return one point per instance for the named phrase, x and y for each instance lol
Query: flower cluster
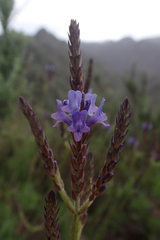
(79, 119)
(146, 126)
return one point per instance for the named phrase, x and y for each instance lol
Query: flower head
(79, 120)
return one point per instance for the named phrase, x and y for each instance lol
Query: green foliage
(12, 82)
(6, 7)
(5, 93)
(8, 221)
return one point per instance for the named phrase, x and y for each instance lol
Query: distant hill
(116, 56)
(119, 56)
(111, 59)
(45, 49)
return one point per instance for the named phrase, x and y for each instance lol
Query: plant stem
(67, 200)
(85, 206)
(77, 225)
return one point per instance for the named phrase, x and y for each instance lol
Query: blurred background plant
(37, 68)
(12, 46)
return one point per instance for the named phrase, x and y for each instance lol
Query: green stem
(76, 224)
(67, 200)
(85, 206)
(58, 180)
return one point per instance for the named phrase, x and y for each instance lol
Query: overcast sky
(99, 20)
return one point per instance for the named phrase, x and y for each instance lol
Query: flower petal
(78, 126)
(98, 117)
(60, 116)
(74, 101)
(92, 98)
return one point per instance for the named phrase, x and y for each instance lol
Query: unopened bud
(50, 173)
(101, 190)
(43, 156)
(104, 169)
(108, 177)
(55, 166)
(91, 197)
(81, 187)
(74, 180)
(50, 152)
(99, 181)
(112, 165)
(79, 158)
(50, 162)
(80, 173)
(74, 195)
(74, 164)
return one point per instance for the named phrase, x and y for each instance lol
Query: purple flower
(133, 141)
(92, 98)
(146, 126)
(78, 126)
(98, 116)
(74, 101)
(60, 115)
(49, 68)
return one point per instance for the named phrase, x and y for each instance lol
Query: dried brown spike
(51, 217)
(117, 140)
(46, 153)
(116, 145)
(36, 128)
(88, 178)
(76, 79)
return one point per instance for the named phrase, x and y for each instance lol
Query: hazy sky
(99, 20)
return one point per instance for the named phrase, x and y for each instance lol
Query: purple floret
(60, 115)
(78, 126)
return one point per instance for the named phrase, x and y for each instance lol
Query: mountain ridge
(117, 56)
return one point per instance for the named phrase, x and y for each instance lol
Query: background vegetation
(38, 69)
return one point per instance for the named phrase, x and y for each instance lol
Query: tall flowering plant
(79, 112)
